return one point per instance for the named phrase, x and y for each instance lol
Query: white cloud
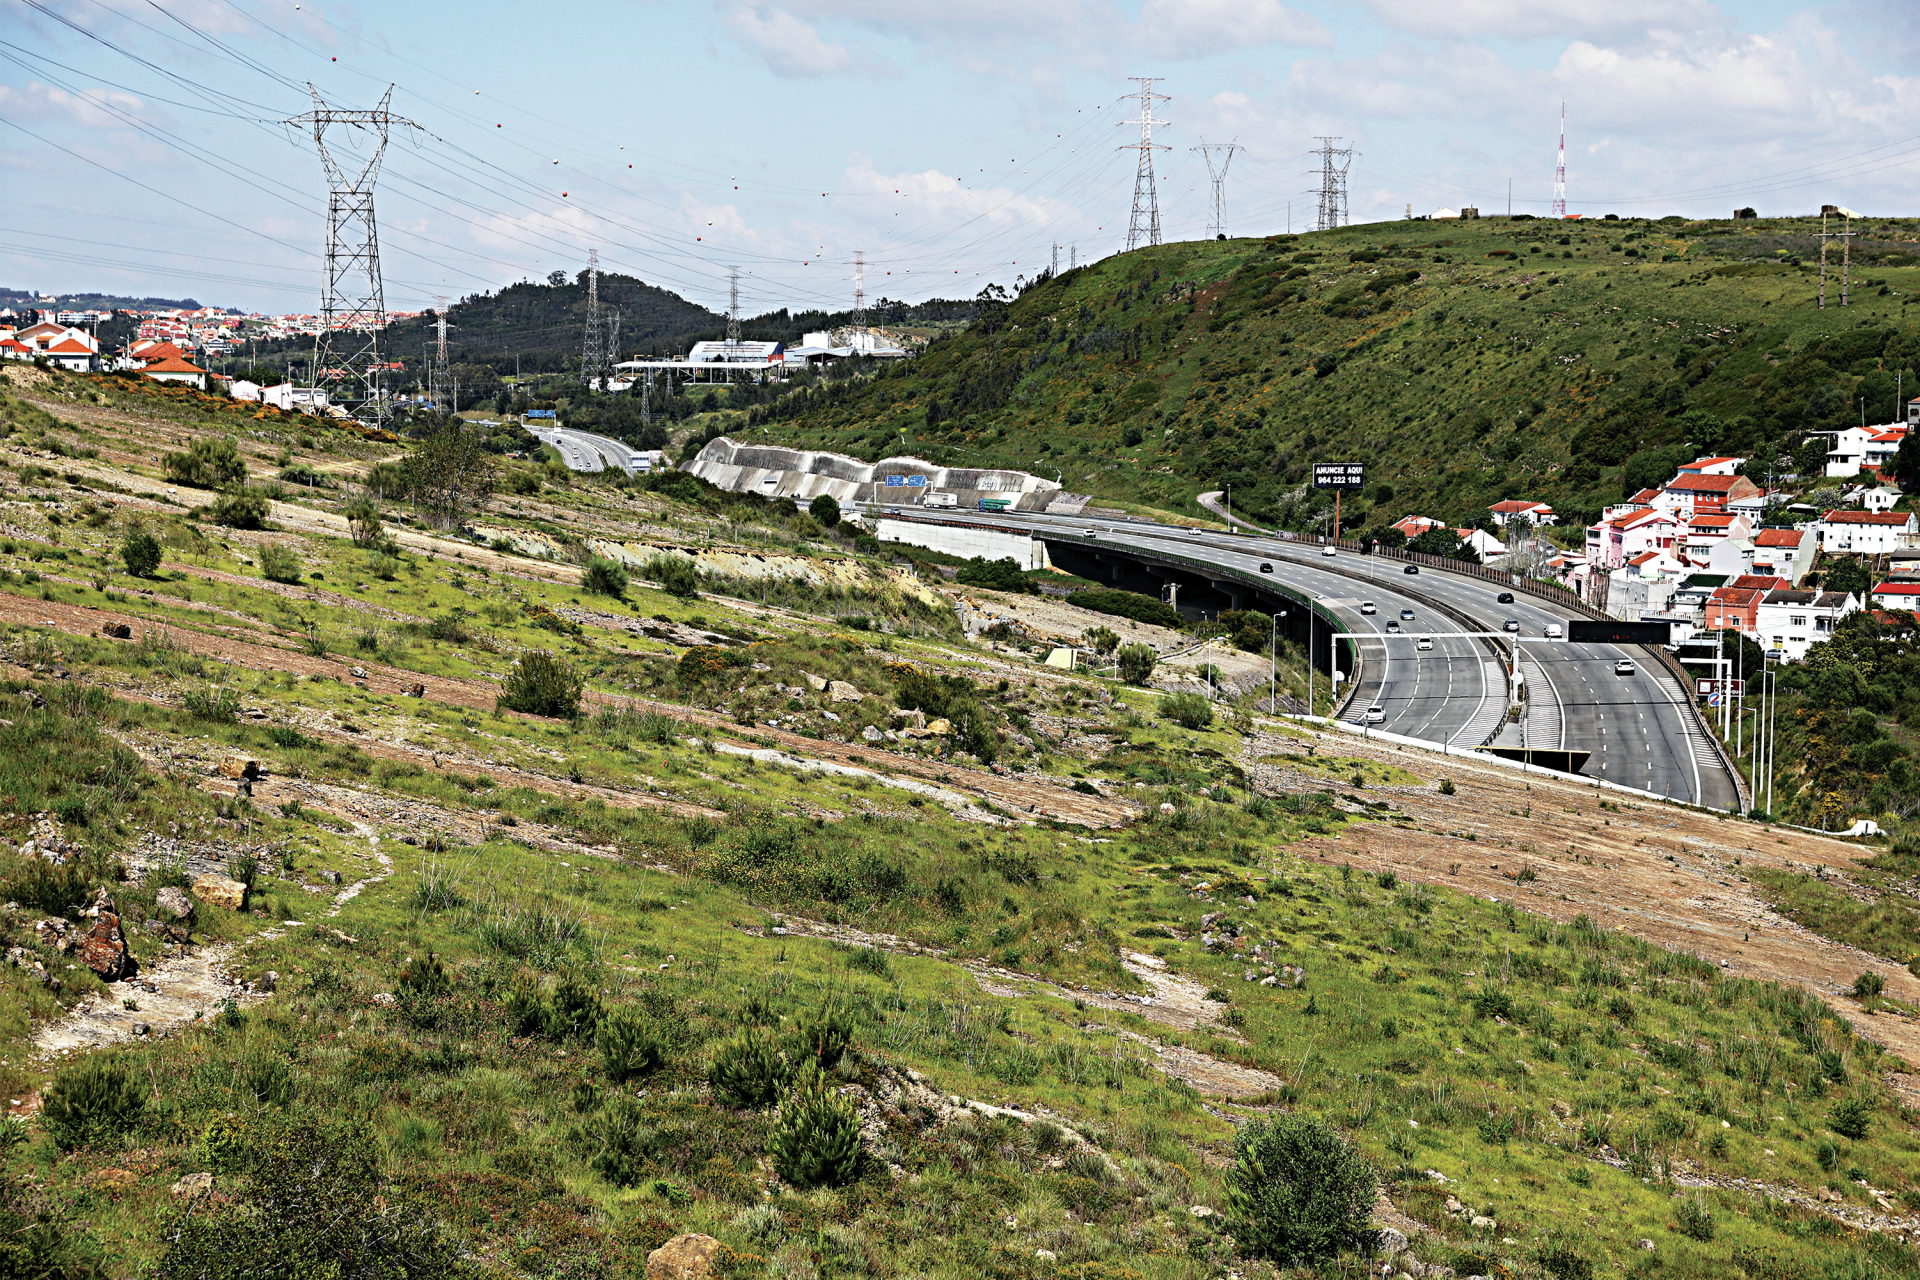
(933, 194)
(1204, 28)
(89, 108)
(789, 46)
(1532, 19)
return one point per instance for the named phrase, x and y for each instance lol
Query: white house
(1794, 621)
(1855, 448)
(1897, 595)
(1611, 543)
(1712, 467)
(1865, 533)
(1537, 513)
(1784, 553)
(1731, 556)
(1880, 498)
(1704, 532)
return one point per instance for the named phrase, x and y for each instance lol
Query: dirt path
(1674, 876)
(1176, 1002)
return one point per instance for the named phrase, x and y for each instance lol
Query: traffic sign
(1339, 475)
(1709, 688)
(896, 482)
(1594, 631)
(916, 482)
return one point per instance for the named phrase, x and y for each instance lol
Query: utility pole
(860, 289)
(353, 306)
(1333, 185)
(590, 349)
(1846, 241)
(1560, 170)
(733, 306)
(1218, 173)
(1144, 226)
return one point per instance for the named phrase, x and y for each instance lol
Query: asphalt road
(584, 451)
(1639, 733)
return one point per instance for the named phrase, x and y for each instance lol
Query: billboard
(1339, 475)
(1708, 688)
(1585, 630)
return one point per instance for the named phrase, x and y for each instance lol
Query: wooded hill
(1465, 362)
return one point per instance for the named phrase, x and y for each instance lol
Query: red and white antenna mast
(1560, 172)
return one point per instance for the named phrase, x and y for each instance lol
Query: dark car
(1266, 567)
(1412, 568)
(1505, 597)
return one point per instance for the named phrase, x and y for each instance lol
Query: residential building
(1704, 531)
(1784, 553)
(1730, 556)
(1638, 502)
(1897, 595)
(1865, 533)
(1611, 543)
(1414, 526)
(1484, 544)
(1794, 621)
(175, 370)
(1537, 513)
(1880, 498)
(1863, 448)
(1687, 496)
(1629, 598)
(1734, 609)
(1712, 467)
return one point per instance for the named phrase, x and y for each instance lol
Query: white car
(1426, 642)
(1554, 632)
(1196, 532)
(1367, 606)
(1624, 667)
(1329, 551)
(1374, 714)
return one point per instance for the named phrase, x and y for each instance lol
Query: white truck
(940, 500)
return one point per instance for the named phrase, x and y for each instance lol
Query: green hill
(1465, 362)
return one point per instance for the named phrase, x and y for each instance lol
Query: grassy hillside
(523, 992)
(1466, 362)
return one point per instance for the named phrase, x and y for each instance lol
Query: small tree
(825, 509)
(363, 522)
(94, 1100)
(140, 551)
(1188, 710)
(279, 563)
(1297, 1190)
(1102, 640)
(604, 577)
(241, 509)
(1137, 662)
(207, 464)
(816, 1141)
(542, 684)
(677, 576)
(749, 1071)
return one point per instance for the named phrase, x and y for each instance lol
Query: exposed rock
(104, 950)
(268, 982)
(52, 932)
(936, 728)
(815, 682)
(1292, 975)
(174, 902)
(841, 691)
(117, 631)
(915, 719)
(240, 767)
(1482, 1222)
(688, 1257)
(219, 891)
(358, 673)
(1644, 1243)
(388, 998)
(872, 734)
(194, 1184)
(1389, 1242)
(417, 691)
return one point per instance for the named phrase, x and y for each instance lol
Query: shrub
(630, 1045)
(1868, 985)
(140, 551)
(748, 1071)
(1696, 1220)
(1003, 574)
(1850, 1118)
(1128, 604)
(1137, 662)
(604, 577)
(207, 464)
(1188, 710)
(1565, 1257)
(824, 1036)
(96, 1100)
(241, 509)
(816, 1140)
(279, 563)
(868, 545)
(363, 522)
(676, 576)
(213, 703)
(542, 684)
(1297, 1190)
(825, 510)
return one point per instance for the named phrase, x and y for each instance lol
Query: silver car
(1374, 714)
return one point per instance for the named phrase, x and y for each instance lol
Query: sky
(143, 148)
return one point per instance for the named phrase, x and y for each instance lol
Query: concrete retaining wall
(962, 540)
(804, 474)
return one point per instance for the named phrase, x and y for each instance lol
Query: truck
(995, 504)
(940, 500)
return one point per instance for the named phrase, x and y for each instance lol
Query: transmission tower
(1333, 184)
(1560, 170)
(733, 306)
(1144, 226)
(591, 371)
(613, 345)
(860, 288)
(437, 367)
(1218, 172)
(353, 306)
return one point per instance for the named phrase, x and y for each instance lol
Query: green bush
(816, 1140)
(363, 522)
(241, 509)
(96, 1100)
(604, 577)
(140, 551)
(630, 1045)
(1297, 1190)
(825, 509)
(1850, 1118)
(217, 702)
(1127, 604)
(748, 1071)
(823, 1037)
(868, 545)
(1137, 662)
(1696, 1220)
(542, 684)
(676, 576)
(1004, 574)
(279, 563)
(1868, 985)
(207, 464)
(1188, 710)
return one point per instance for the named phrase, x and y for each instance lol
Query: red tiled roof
(1645, 496)
(71, 347)
(1715, 520)
(161, 351)
(1518, 504)
(1738, 597)
(172, 365)
(1707, 484)
(1760, 582)
(1897, 589)
(1868, 517)
(1708, 462)
(1779, 537)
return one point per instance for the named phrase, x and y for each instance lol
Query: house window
(1823, 624)
(1799, 620)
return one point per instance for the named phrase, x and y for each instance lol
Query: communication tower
(1560, 170)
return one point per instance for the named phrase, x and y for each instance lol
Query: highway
(1639, 732)
(584, 451)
